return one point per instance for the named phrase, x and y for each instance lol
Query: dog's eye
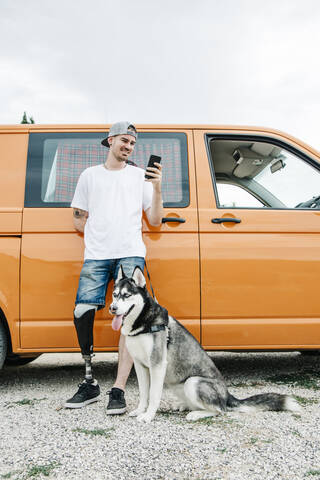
(127, 295)
(115, 295)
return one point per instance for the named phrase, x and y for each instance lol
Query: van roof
(240, 129)
(164, 126)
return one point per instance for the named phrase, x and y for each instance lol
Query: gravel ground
(39, 439)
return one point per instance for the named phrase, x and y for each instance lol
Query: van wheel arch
(7, 357)
(15, 360)
(5, 342)
(310, 353)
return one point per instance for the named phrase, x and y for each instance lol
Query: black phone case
(151, 162)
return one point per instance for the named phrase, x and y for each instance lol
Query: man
(107, 207)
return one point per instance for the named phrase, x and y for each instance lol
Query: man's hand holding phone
(153, 172)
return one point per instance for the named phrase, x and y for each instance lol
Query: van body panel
(10, 222)
(259, 277)
(51, 261)
(272, 221)
(250, 334)
(10, 285)
(50, 269)
(13, 148)
(47, 220)
(243, 286)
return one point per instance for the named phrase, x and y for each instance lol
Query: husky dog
(164, 352)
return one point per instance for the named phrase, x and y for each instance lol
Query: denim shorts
(96, 275)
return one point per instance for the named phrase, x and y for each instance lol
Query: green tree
(25, 119)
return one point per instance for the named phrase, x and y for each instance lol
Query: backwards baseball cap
(120, 128)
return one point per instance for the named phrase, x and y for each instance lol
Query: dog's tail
(264, 402)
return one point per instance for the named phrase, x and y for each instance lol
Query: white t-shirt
(114, 200)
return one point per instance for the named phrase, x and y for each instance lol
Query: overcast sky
(247, 62)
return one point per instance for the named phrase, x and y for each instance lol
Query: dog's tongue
(117, 322)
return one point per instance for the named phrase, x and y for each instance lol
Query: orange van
(236, 259)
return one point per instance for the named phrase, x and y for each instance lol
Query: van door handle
(225, 219)
(173, 219)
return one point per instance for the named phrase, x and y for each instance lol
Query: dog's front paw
(179, 407)
(183, 408)
(146, 417)
(136, 412)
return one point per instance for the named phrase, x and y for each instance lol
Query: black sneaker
(117, 403)
(87, 393)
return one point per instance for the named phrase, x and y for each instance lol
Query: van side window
(55, 161)
(251, 173)
(232, 196)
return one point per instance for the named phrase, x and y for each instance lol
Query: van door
(13, 148)
(52, 251)
(259, 216)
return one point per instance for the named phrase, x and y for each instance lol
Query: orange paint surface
(252, 285)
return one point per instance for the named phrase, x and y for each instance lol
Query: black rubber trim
(226, 219)
(173, 220)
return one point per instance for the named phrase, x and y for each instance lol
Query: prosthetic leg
(89, 390)
(83, 321)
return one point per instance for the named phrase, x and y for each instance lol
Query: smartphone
(152, 160)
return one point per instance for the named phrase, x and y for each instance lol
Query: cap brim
(105, 142)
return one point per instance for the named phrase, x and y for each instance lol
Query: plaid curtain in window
(73, 158)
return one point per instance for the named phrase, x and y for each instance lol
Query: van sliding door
(52, 251)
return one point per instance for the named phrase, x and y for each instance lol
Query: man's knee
(82, 308)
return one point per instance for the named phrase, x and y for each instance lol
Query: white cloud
(178, 61)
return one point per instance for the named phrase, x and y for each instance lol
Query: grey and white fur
(164, 352)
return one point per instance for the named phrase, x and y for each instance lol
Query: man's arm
(155, 212)
(79, 219)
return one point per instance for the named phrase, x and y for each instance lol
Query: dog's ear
(138, 277)
(120, 275)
